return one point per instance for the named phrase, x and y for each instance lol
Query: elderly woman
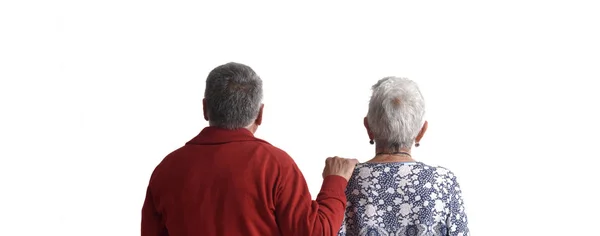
(393, 194)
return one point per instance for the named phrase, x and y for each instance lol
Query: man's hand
(339, 166)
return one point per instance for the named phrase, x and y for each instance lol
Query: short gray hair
(396, 112)
(233, 96)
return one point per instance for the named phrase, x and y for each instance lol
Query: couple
(225, 181)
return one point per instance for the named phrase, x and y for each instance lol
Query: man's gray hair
(396, 112)
(233, 96)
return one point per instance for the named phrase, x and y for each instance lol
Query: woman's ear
(422, 132)
(366, 123)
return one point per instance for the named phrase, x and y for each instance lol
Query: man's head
(233, 97)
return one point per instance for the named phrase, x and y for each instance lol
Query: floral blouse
(402, 199)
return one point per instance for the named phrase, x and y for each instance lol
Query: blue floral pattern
(403, 199)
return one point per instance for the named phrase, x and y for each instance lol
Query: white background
(93, 94)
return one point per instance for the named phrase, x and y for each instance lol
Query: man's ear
(422, 132)
(204, 109)
(366, 123)
(258, 120)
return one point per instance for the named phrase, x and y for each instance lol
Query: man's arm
(298, 214)
(152, 223)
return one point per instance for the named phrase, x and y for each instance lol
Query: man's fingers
(338, 158)
(330, 159)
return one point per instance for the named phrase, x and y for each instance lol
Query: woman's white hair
(396, 112)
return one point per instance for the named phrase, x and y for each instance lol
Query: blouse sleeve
(457, 221)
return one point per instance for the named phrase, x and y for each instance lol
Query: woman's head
(396, 111)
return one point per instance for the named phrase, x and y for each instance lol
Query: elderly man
(225, 181)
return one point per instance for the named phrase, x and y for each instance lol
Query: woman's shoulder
(366, 169)
(442, 171)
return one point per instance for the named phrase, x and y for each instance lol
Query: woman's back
(399, 198)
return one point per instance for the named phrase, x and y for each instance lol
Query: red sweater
(227, 182)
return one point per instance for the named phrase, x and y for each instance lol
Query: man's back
(227, 182)
(218, 188)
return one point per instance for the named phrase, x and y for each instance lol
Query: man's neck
(252, 128)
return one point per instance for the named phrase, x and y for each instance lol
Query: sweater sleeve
(298, 214)
(152, 224)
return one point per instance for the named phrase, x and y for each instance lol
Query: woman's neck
(392, 155)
